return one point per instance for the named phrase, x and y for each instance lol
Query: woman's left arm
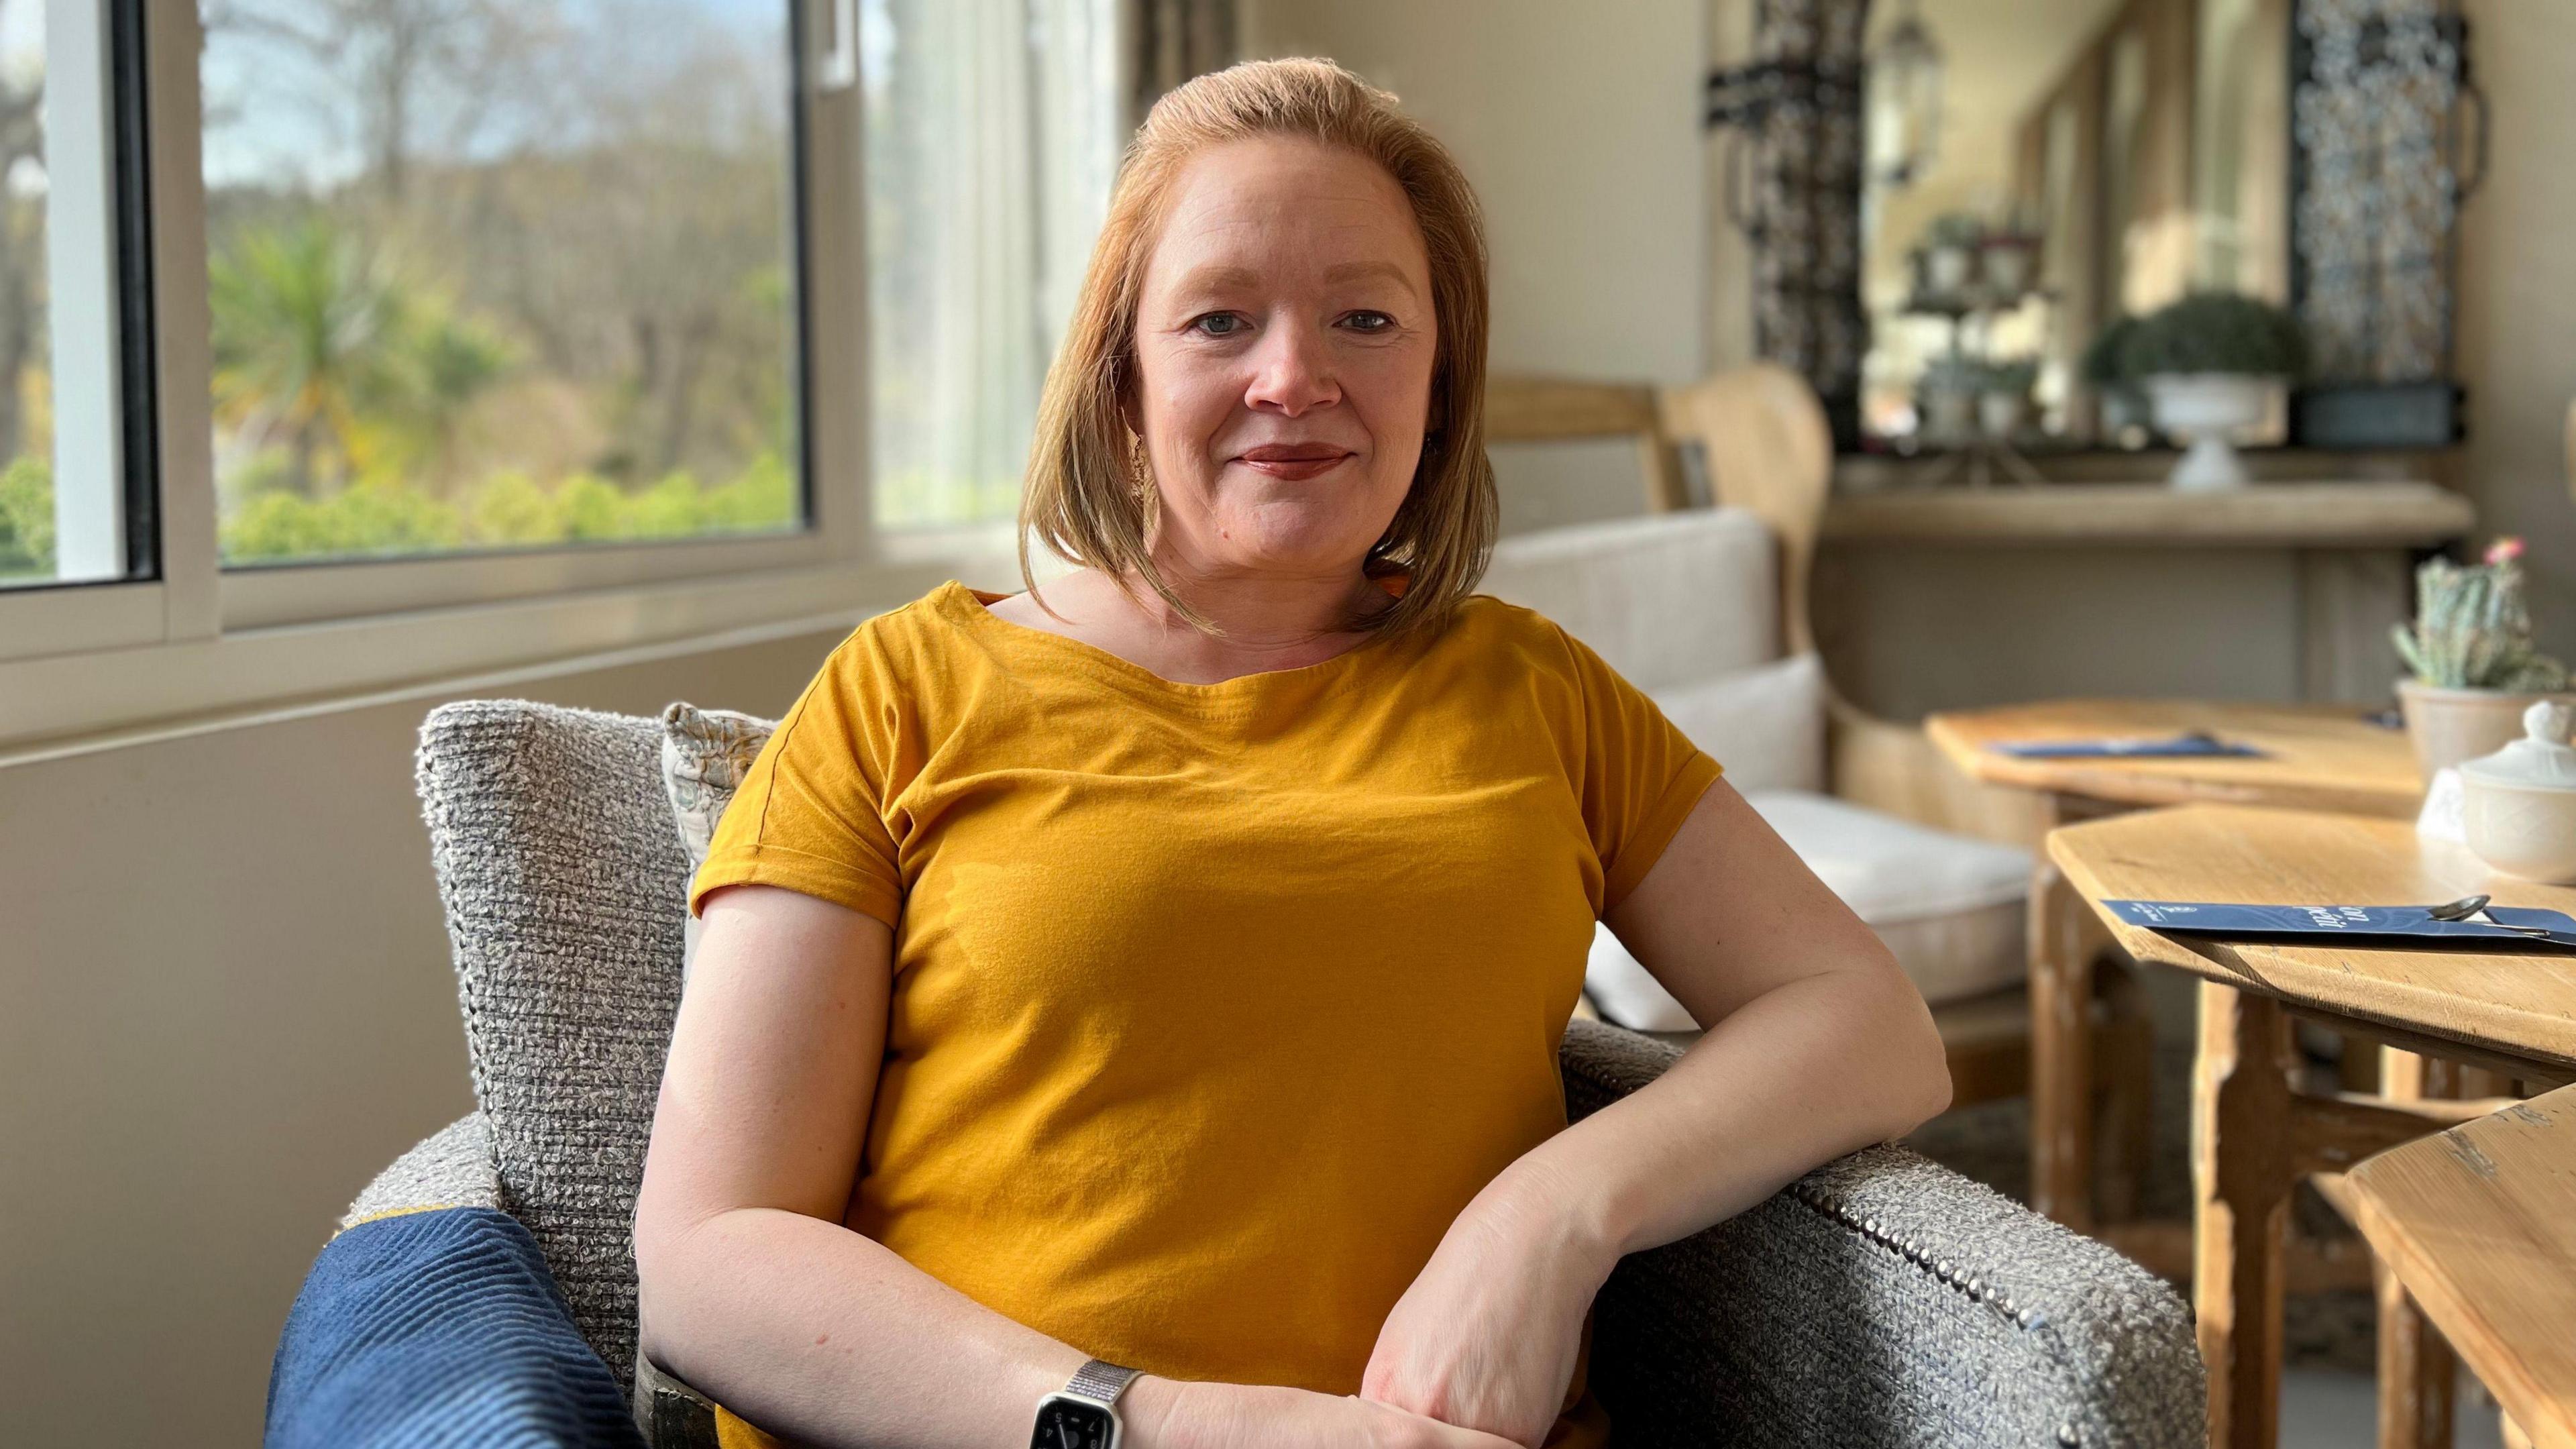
(1817, 1045)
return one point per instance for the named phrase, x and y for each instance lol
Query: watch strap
(1102, 1381)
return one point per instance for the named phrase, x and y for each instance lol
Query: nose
(1292, 372)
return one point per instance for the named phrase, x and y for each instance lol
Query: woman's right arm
(754, 1293)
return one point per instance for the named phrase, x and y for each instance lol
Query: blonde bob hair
(1090, 495)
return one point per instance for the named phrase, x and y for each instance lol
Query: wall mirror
(1952, 201)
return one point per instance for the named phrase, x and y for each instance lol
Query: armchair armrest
(452, 1168)
(1880, 1300)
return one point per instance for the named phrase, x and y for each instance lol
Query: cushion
(564, 887)
(439, 1328)
(1950, 908)
(1667, 598)
(1766, 724)
(705, 754)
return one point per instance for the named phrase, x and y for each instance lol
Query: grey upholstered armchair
(1881, 1300)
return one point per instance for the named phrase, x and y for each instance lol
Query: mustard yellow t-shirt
(1213, 1004)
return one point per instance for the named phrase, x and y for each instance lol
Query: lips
(1293, 460)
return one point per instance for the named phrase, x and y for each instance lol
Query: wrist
(1554, 1211)
(1154, 1413)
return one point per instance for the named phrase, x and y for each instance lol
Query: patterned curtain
(1793, 184)
(1170, 41)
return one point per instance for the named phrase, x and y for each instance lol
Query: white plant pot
(2206, 410)
(2008, 269)
(1947, 270)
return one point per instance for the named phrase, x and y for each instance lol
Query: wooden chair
(1768, 449)
(2478, 1223)
(1562, 410)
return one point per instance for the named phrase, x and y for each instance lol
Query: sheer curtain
(994, 131)
(994, 128)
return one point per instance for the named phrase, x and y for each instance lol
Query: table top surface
(2519, 1007)
(2479, 1223)
(2315, 757)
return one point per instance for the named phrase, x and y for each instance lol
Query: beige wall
(1579, 127)
(224, 1003)
(2517, 333)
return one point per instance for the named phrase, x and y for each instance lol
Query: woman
(1169, 971)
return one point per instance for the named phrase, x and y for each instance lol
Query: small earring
(1140, 468)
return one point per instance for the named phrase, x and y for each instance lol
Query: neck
(1266, 610)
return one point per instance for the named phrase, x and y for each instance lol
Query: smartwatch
(1083, 1414)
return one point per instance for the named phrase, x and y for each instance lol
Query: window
(993, 133)
(492, 332)
(70, 508)
(498, 274)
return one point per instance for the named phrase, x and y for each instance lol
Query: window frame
(191, 636)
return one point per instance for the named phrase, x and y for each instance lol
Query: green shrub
(507, 509)
(27, 518)
(2215, 332)
(2104, 364)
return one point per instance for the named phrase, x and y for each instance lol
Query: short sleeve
(811, 816)
(1641, 775)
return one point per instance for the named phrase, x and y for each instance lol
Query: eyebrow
(1354, 271)
(1220, 278)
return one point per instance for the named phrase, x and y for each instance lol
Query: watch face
(1066, 1425)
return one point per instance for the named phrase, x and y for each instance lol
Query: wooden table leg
(2061, 1049)
(2418, 1373)
(2241, 1181)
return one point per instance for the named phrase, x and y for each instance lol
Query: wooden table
(2479, 1226)
(2314, 757)
(2254, 1135)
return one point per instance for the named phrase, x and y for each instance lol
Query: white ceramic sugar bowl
(2519, 804)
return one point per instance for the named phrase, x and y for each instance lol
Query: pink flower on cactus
(2504, 551)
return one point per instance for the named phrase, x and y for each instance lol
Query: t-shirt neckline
(966, 605)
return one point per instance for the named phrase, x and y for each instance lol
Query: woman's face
(1284, 347)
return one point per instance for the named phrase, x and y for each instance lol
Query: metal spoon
(2471, 908)
(2459, 910)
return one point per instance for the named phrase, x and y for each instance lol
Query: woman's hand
(1487, 1335)
(1170, 1414)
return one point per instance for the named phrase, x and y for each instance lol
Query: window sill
(74, 703)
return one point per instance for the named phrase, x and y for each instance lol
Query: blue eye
(1218, 324)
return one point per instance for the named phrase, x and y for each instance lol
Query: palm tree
(301, 327)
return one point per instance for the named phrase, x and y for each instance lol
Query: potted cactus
(2475, 667)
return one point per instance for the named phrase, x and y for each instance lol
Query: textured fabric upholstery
(561, 872)
(1883, 1300)
(1623, 586)
(1880, 1300)
(452, 1169)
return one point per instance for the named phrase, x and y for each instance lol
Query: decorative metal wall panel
(2377, 91)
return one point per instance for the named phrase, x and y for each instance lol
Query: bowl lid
(2541, 759)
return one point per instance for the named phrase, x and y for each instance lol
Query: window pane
(494, 274)
(63, 480)
(992, 139)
